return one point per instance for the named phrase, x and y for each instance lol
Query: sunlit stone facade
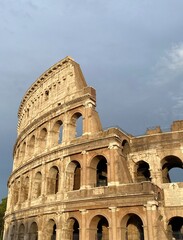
(72, 180)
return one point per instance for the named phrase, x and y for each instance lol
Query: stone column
(112, 170)
(83, 224)
(114, 223)
(151, 213)
(44, 181)
(59, 226)
(84, 173)
(87, 123)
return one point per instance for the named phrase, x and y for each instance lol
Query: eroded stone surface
(73, 180)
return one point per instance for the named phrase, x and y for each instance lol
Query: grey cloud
(119, 45)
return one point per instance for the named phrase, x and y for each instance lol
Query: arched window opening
(33, 232)
(79, 126)
(172, 169)
(37, 185)
(76, 230)
(76, 127)
(77, 176)
(125, 148)
(43, 139)
(46, 95)
(103, 229)
(102, 173)
(12, 234)
(51, 230)
(73, 229)
(175, 228)
(21, 232)
(16, 192)
(98, 171)
(73, 179)
(31, 147)
(23, 151)
(99, 228)
(53, 181)
(25, 189)
(134, 228)
(143, 173)
(57, 132)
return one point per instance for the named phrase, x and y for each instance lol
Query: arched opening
(16, 191)
(21, 232)
(25, 189)
(98, 171)
(12, 233)
(33, 232)
(102, 173)
(51, 230)
(43, 139)
(76, 126)
(37, 185)
(125, 148)
(53, 181)
(175, 228)
(73, 178)
(99, 228)
(143, 173)
(170, 164)
(31, 146)
(73, 229)
(134, 227)
(57, 133)
(46, 95)
(23, 151)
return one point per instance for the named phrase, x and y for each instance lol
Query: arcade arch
(175, 228)
(53, 180)
(21, 232)
(37, 185)
(76, 125)
(31, 146)
(99, 228)
(73, 228)
(73, 176)
(51, 230)
(142, 171)
(43, 139)
(168, 163)
(132, 227)
(99, 171)
(33, 231)
(57, 132)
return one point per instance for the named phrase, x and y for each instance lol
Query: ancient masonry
(72, 180)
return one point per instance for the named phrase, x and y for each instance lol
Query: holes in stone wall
(37, 184)
(143, 173)
(98, 172)
(169, 166)
(53, 181)
(99, 228)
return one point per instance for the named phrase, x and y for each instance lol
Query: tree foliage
(2, 212)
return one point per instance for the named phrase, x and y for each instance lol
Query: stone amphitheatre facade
(90, 185)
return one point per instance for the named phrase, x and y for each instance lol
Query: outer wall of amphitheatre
(72, 180)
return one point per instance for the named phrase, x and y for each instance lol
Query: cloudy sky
(130, 51)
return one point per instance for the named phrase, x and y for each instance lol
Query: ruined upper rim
(39, 80)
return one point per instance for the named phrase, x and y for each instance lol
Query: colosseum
(72, 180)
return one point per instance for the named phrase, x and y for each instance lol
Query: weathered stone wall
(73, 180)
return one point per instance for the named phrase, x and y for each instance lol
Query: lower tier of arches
(138, 223)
